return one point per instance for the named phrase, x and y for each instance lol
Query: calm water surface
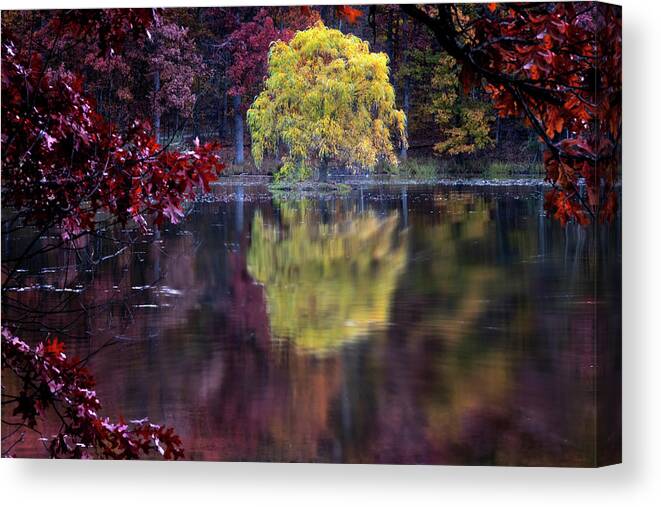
(390, 325)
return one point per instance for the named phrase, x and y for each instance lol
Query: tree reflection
(493, 331)
(327, 284)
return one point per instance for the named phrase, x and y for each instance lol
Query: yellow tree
(327, 99)
(462, 119)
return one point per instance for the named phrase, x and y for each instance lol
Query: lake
(392, 324)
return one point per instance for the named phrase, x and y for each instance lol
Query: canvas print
(382, 234)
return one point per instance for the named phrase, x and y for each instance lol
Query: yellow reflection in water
(327, 284)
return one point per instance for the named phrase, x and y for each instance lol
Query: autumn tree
(463, 120)
(559, 66)
(327, 99)
(249, 46)
(63, 162)
(174, 64)
(154, 74)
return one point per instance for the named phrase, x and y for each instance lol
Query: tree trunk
(390, 44)
(322, 172)
(403, 152)
(223, 120)
(238, 129)
(406, 88)
(196, 123)
(222, 115)
(372, 22)
(157, 114)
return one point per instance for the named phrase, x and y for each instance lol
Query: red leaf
(54, 347)
(348, 13)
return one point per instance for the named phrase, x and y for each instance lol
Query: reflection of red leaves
(609, 209)
(593, 196)
(348, 13)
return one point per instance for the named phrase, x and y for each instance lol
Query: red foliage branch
(559, 66)
(51, 381)
(62, 162)
(64, 165)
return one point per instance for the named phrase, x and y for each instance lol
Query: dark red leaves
(563, 208)
(54, 347)
(63, 162)
(53, 382)
(249, 45)
(110, 28)
(550, 54)
(559, 66)
(468, 78)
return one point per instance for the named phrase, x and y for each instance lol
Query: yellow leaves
(463, 122)
(327, 97)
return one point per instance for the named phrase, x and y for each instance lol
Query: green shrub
(392, 170)
(498, 170)
(413, 168)
(502, 170)
(425, 169)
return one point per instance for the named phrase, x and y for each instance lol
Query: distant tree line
(196, 71)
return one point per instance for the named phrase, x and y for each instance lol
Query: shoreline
(353, 182)
(227, 188)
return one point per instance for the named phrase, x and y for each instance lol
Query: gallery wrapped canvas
(347, 234)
